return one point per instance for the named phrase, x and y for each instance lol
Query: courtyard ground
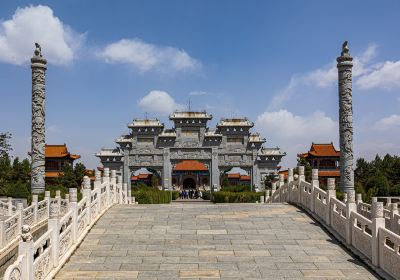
(209, 241)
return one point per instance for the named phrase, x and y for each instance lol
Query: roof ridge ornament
(38, 50)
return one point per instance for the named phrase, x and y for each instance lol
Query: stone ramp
(209, 241)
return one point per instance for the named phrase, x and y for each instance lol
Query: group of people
(190, 194)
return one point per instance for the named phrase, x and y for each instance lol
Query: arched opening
(145, 176)
(189, 184)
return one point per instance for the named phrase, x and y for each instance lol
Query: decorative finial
(345, 49)
(38, 50)
(26, 233)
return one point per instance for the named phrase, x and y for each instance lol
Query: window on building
(52, 165)
(234, 140)
(145, 140)
(194, 134)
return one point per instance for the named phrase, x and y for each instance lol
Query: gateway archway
(190, 174)
(189, 184)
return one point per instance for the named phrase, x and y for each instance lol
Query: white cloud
(146, 57)
(37, 24)
(323, 77)
(294, 134)
(384, 75)
(159, 103)
(388, 122)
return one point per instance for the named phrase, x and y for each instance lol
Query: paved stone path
(207, 241)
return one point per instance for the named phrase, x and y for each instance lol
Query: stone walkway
(207, 241)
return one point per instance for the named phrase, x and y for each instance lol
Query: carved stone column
(345, 65)
(38, 121)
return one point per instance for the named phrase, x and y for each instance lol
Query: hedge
(236, 197)
(151, 196)
(239, 188)
(175, 195)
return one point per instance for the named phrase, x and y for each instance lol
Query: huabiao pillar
(38, 65)
(345, 65)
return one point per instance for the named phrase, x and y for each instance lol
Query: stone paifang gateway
(192, 155)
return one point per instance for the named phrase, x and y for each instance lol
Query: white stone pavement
(208, 241)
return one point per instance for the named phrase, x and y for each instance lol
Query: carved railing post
(359, 198)
(378, 221)
(345, 197)
(129, 194)
(273, 190)
(35, 199)
(125, 190)
(267, 198)
(262, 199)
(48, 199)
(330, 193)
(296, 184)
(120, 189)
(54, 225)
(97, 180)
(314, 184)
(10, 206)
(73, 204)
(302, 178)
(351, 206)
(57, 198)
(290, 184)
(20, 209)
(394, 223)
(87, 193)
(112, 182)
(281, 184)
(25, 248)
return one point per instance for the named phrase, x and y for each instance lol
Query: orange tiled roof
(234, 176)
(285, 173)
(59, 151)
(321, 150)
(245, 178)
(329, 173)
(134, 178)
(52, 174)
(143, 176)
(190, 165)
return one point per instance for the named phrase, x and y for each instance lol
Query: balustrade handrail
(370, 231)
(66, 228)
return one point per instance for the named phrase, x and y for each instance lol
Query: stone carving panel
(190, 154)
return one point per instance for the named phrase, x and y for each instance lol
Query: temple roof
(321, 150)
(124, 139)
(271, 152)
(329, 173)
(109, 152)
(59, 151)
(235, 122)
(212, 133)
(255, 137)
(146, 123)
(190, 115)
(168, 133)
(190, 165)
(238, 176)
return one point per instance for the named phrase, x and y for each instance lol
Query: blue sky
(272, 61)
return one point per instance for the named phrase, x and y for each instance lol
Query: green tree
(67, 178)
(378, 182)
(79, 172)
(154, 181)
(307, 168)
